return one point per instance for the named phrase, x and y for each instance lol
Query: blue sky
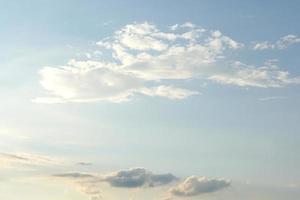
(149, 100)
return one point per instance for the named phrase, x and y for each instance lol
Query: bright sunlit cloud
(143, 55)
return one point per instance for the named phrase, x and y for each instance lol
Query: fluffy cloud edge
(193, 186)
(144, 58)
(283, 43)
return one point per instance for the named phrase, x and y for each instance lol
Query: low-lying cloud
(137, 177)
(193, 186)
(90, 184)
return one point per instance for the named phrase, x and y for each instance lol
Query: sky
(149, 100)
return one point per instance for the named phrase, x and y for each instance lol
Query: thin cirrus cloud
(84, 163)
(141, 59)
(282, 43)
(8, 159)
(270, 98)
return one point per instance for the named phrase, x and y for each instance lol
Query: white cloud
(145, 60)
(140, 37)
(169, 92)
(267, 76)
(188, 25)
(193, 186)
(88, 81)
(282, 43)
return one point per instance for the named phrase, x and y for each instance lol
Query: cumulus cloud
(137, 177)
(141, 59)
(193, 186)
(140, 37)
(142, 55)
(89, 81)
(282, 43)
(92, 81)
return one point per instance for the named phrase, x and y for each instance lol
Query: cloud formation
(193, 186)
(90, 184)
(141, 59)
(282, 43)
(267, 76)
(137, 177)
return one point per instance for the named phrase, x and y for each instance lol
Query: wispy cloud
(84, 163)
(272, 98)
(282, 43)
(29, 159)
(267, 76)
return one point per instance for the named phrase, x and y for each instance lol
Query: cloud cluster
(89, 184)
(141, 59)
(282, 43)
(193, 186)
